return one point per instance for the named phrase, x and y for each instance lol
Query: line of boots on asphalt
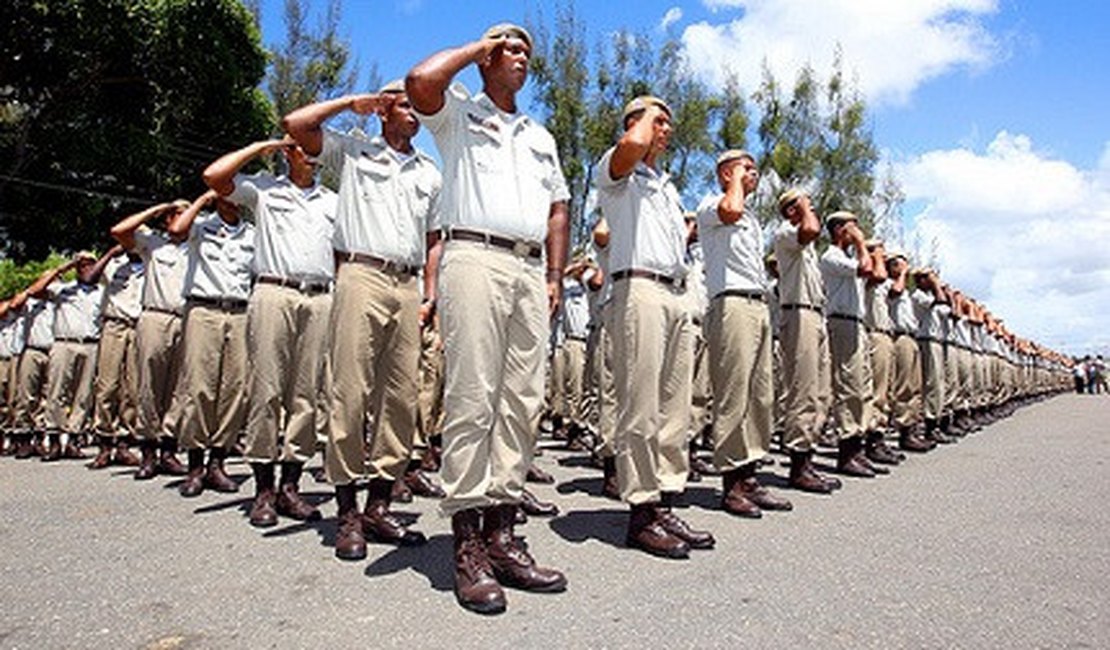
(488, 556)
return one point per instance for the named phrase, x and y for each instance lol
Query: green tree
(847, 153)
(109, 104)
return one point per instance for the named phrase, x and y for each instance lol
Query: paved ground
(1002, 540)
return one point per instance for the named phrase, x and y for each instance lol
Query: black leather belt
(310, 288)
(877, 330)
(84, 340)
(224, 304)
(797, 305)
(854, 319)
(649, 275)
(742, 293)
(38, 348)
(518, 247)
(576, 338)
(382, 264)
(929, 339)
(130, 322)
(159, 310)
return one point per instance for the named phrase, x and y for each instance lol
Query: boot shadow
(432, 560)
(589, 486)
(606, 526)
(704, 497)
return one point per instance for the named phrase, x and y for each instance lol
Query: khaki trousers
(375, 357)
(493, 311)
(905, 389)
(573, 386)
(287, 337)
(738, 335)
(963, 378)
(882, 370)
(117, 380)
(850, 377)
(5, 392)
(69, 387)
(951, 378)
(932, 378)
(429, 413)
(158, 341)
(652, 355)
(803, 343)
(701, 393)
(780, 385)
(215, 365)
(553, 376)
(606, 389)
(30, 403)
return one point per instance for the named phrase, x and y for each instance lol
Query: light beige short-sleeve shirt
(123, 288)
(501, 170)
(645, 219)
(40, 323)
(843, 285)
(878, 309)
(166, 263)
(387, 202)
(220, 258)
(733, 252)
(294, 227)
(77, 315)
(799, 275)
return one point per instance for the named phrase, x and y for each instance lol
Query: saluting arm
(220, 175)
(427, 82)
(180, 225)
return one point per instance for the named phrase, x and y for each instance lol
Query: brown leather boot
(673, 524)
(537, 475)
(476, 588)
(536, 508)
(193, 485)
(733, 498)
(610, 489)
(877, 451)
(802, 476)
(72, 448)
(380, 524)
(848, 460)
(290, 503)
(215, 477)
(647, 534)
(400, 492)
(123, 456)
(349, 541)
(53, 449)
(148, 463)
(167, 460)
(104, 456)
(420, 483)
(910, 441)
(263, 514)
(23, 447)
(512, 565)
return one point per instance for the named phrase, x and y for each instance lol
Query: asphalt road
(1000, 541)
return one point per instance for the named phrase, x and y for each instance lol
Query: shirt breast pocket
(485, 149)
(542, 166)
(373, 177)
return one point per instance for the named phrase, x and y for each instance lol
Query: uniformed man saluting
(388, 193)
(652, 340)
(287, 318)
(504, 221)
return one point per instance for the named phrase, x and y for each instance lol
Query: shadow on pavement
(432, 560)
(606, 526)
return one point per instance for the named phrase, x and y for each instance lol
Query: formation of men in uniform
(416, 318)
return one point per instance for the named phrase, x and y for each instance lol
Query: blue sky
(993, 114)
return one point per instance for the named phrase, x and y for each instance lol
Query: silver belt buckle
(522, 248)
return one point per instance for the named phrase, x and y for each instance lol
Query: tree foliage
(106, 105)
(808, 131)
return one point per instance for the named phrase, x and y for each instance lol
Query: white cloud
(673, 15)
(1027, 233)
(891, 47)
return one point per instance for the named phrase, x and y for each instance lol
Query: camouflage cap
(502, 30)
(732, 154)
(641, 103)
